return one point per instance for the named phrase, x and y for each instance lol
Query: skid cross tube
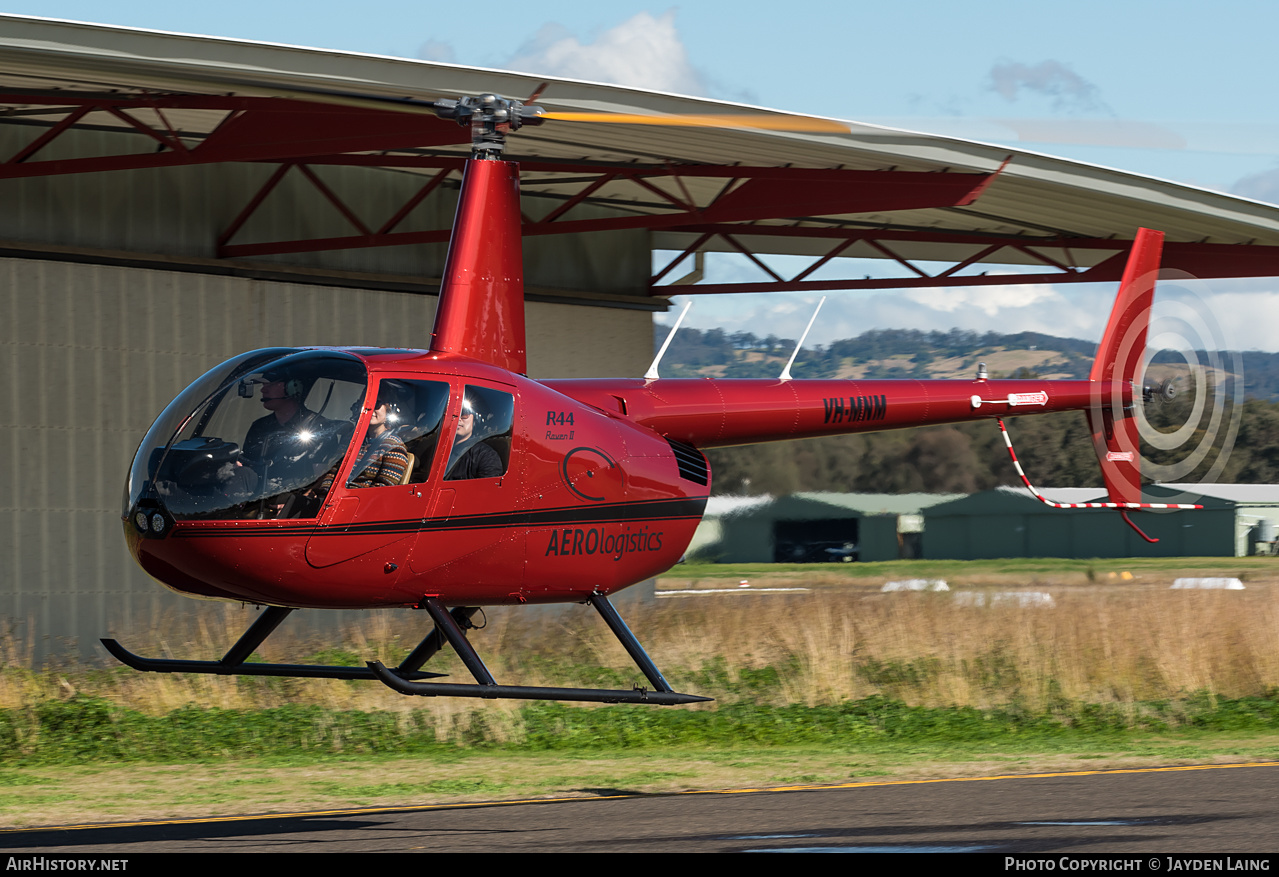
(447, 624)
(232, 663)
(435, 640)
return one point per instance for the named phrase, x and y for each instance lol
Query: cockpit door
(385, 482)
(476, 530)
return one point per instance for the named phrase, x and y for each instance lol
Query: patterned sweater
(382, 463)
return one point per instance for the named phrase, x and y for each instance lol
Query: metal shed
(823, 528)
(1009, 522)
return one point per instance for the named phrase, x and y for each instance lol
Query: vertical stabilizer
(1120, 357)
(481, 309)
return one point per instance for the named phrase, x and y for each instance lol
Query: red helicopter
(445, 479)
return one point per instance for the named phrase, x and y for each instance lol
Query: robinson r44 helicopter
(445, 479)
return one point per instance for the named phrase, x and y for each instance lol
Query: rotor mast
(481, 310)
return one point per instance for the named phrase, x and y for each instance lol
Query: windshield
(253, 438)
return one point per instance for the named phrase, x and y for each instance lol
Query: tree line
(903, 353)
(1055, 449)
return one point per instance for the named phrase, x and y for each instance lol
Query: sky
(1171, 89)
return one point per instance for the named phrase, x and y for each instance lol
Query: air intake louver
(692, 465)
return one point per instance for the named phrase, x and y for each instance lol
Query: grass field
(823, 685)
(33, 795)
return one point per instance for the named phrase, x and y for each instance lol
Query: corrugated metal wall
(93, 353)
(990, 525)
(99, 337)
(181, 211)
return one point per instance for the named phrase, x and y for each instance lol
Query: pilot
(281, 445)
(383, 458)
(474, 459)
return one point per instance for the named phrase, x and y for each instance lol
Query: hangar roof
(866, 191)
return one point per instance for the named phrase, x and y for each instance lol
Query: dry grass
(1094, 646)
(1097, 645)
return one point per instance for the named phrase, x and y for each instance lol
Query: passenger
(383, 459)
(474, 459)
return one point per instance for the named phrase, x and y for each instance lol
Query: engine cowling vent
(692, 464)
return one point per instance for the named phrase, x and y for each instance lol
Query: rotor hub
(1164, 391)
(491, 117)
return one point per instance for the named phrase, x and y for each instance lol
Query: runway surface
(1204, 809)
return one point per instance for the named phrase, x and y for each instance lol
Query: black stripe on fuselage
(649, 510)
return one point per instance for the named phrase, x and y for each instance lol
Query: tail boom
(709, 414)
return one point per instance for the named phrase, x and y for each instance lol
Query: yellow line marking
(1013, 776)
(815, 787)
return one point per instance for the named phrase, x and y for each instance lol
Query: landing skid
(232, 663)
(487, 687)
(403, 678)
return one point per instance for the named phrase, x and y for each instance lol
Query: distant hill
(909, 353)
(1055, 449)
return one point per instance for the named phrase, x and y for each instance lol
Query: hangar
(815, 527)
(171, 200)
(1236, 520)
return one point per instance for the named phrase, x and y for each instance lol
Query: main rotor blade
(762, 122)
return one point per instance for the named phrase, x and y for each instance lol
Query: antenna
(651, 374)
(785, 376)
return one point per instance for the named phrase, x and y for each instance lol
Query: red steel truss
(736, 203)
(1198, 259)
(749, 194)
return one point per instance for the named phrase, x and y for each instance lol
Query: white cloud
(437, 50)
(643, 51)
(1069, 91)
(1262, 187)
(988, 300)
(1073, 312)
(1246, 311)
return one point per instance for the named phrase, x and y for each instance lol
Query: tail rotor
(1191, 412)
(1168, 399)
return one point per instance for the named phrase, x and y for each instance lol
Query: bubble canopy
(252, 438)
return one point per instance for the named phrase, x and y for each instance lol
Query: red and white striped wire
(1082, 505)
